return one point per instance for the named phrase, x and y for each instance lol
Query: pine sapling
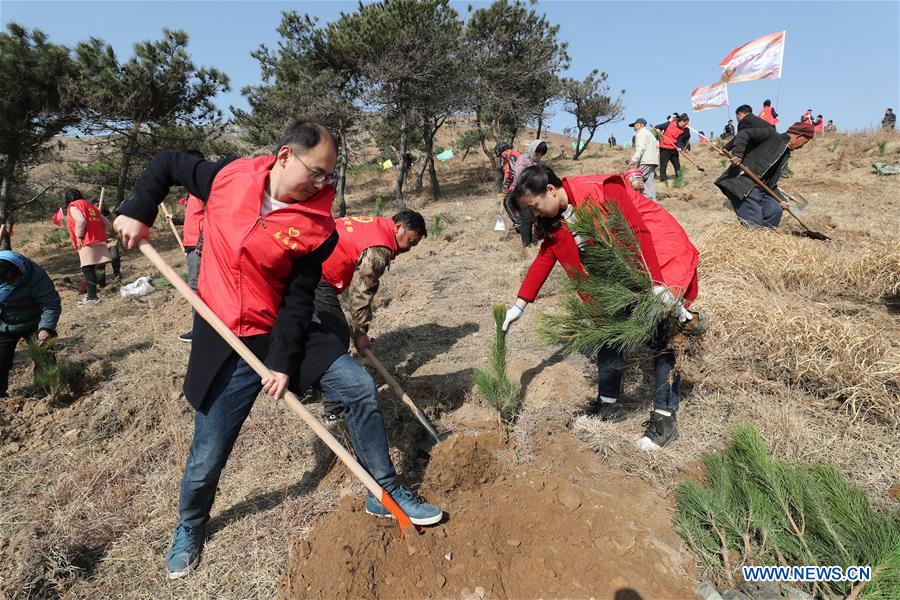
(50, 374)
(498, 391)
(613, 305)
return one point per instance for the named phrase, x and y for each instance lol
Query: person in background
(768, 113)
(192, 220)
(645, 156)
(29, 306)
(675, 136)
(889, 120)
(115, 248)
(830, 127)
(508, 157)
(533, 155)
(819, 125)
(612, 140)
(87, 228)
(729, 129)
(807, 117)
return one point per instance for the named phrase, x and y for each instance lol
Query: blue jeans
(757, 209)
(232, 395)
(611, 368)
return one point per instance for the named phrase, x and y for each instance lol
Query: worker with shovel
(671, 262)
(764, 151)
(365, 249)
(267, 230)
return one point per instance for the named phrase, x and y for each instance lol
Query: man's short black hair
(743, 109)
(413, 221)
(767, 103)
(73, 194)
(305, 134)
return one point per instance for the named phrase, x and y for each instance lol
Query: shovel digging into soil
(425, 445)
(806, 230)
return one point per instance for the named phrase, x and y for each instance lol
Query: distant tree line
(392, 73)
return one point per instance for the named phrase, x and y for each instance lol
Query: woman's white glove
(672, 302)
(512, 313)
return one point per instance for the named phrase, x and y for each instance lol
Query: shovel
(373, 360)
(807, 231)
(289, 397)
(691, 160)
(172, 225)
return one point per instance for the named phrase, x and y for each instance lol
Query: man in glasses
(267, 229)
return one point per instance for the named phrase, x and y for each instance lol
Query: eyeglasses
(317, 175)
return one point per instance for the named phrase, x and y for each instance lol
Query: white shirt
(269, 204)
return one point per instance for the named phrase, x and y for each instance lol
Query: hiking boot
(184, 553)
(420, 513)
(611, 412)
(88, 301)
(660, 431)
(187, 338)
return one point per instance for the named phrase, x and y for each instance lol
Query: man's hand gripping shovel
(292, 401)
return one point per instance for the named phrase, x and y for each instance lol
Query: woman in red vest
(671, 261)
(87, 228)
(267, 228)
(675, 136)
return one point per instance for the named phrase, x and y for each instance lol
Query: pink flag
(58, 218)
(759, 59)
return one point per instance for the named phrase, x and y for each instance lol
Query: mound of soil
(561, 527)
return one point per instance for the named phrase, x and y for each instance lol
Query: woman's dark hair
(541, 148)
(72, 195)
(534, 180)
(767, 103)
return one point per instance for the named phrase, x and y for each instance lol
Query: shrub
(54, 237)
(379, 207)
(882, 146)
(437, 227)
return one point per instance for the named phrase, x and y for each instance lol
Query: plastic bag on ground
(141, 287)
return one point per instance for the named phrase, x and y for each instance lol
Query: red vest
(674, 259)
(670, 136)
(193, 220)
(247, 259)
(355, 235)
(767, 116)
(95, 232)
(507, 167)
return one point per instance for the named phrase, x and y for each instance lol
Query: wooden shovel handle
(370, 356)
(172, 225)
(257, 365)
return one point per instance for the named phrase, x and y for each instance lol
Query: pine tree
(613, 305)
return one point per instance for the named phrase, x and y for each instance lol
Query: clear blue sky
(841, 58)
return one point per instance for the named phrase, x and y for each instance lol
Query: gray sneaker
(88, 301)
(419, 512)
(184, 553)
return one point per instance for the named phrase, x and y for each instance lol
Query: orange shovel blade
(389, 503)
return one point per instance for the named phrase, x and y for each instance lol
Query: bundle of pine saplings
(614, 305)
(753, 510)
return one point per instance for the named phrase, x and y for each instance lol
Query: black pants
(8, 343)
(526, 226)
(90, 277)
(611, 368)
(666, 155)
(328, 309)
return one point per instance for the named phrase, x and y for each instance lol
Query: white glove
(513, 313)
(672, 302)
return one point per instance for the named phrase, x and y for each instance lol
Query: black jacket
(762, 150)
(318, 347)
(750, 121)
